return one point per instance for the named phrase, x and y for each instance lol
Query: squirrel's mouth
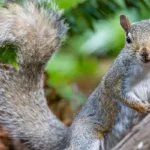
(145, 57)
(145, 60)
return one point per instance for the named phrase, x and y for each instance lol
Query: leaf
(65, 4)
(8, 55)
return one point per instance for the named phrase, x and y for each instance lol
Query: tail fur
(36, 33)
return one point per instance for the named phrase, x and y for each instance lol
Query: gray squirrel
(109, 112)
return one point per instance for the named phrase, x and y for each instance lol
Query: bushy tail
(36, 33)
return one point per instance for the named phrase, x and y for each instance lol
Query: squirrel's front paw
(142, 106)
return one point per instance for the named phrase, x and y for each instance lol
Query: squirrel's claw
(143, 107)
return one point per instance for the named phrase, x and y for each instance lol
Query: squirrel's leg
(139, 105)
(118, 93)
(132, 101)
(85, 135)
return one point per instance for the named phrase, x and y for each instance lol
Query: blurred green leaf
(64, 68)
(8, 55)
(65, 4)
(2, 4)
(71, 92)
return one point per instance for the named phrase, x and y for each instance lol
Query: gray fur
(24, 111)
(102, 121)
(107, 110)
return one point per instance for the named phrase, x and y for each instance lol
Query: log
(138, 138)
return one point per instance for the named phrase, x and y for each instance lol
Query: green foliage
(2, 4)
(8, 55)
(85, 15)
(65, 4)
(66, 67)
(71, 92)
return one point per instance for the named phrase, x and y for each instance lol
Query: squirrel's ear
(125, 23)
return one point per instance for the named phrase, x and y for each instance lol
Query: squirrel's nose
(144, 54)
(145, 57)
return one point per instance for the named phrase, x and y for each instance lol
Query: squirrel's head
(137, 38)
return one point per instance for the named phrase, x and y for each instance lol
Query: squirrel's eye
(128, 40)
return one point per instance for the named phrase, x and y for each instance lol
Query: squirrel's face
(137, 39)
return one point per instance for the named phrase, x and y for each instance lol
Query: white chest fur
(96, 145)
(138, 83)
